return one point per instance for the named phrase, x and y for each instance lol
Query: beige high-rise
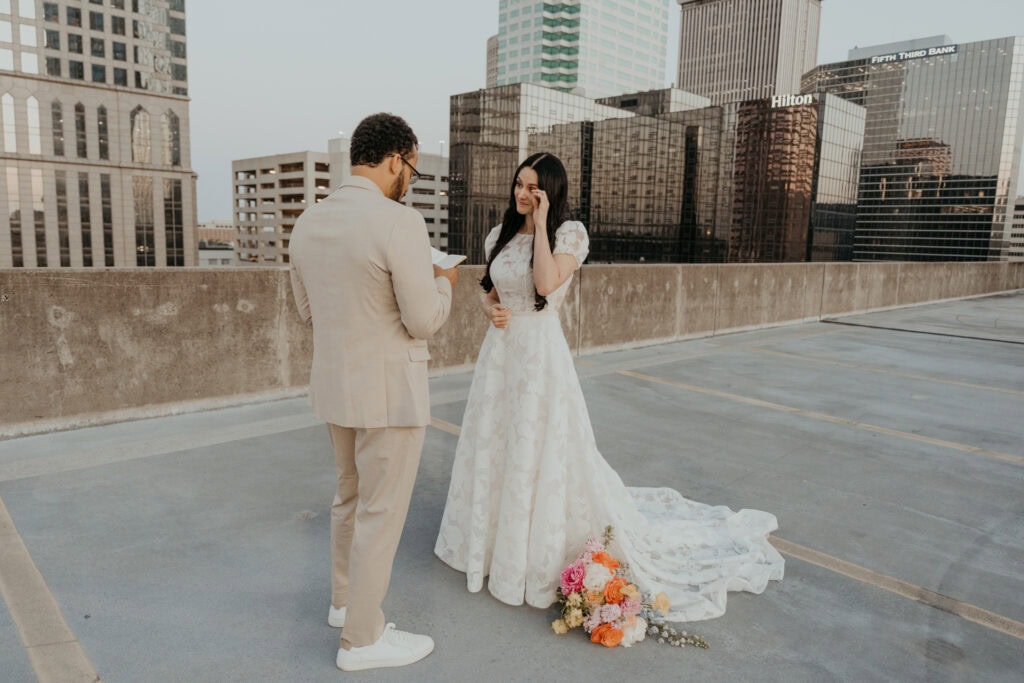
(735, 50)
(270, 193)
(94, 135)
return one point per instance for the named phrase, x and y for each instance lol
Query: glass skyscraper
(489, 135)
(795, 180)
(942, 147)
(594, 48)
(758, 181)
(95, 168)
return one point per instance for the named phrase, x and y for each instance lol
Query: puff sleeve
(571, 238)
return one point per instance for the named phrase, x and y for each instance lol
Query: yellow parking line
(888, 371)
(828, 418)
(53, 651)
(983, 617)
(445, 426)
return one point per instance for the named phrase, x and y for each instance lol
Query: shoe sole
(381, 663)
(334, 623)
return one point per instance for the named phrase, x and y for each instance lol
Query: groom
(361, 270)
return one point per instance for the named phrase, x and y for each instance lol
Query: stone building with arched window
(95, 169)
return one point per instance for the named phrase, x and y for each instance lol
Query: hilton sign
(791, 100)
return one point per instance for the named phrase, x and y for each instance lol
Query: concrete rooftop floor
(890, 446)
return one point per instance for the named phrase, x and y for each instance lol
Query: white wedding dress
(529, 485)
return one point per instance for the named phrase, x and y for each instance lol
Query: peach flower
(662, 603)
(613, 591)
(607, 635)
(607, 560)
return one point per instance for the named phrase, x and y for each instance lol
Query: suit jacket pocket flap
(418, 353)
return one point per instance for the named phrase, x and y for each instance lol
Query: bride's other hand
(499, 316)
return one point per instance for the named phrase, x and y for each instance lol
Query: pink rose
(572, 578)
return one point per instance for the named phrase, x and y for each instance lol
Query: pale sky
(268, 77)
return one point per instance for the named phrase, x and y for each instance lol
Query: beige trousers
(376, 473)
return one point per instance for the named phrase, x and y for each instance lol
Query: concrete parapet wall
(88, 346)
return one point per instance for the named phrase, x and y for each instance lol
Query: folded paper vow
(443, 260)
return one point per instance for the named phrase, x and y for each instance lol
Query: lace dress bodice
(512, 273)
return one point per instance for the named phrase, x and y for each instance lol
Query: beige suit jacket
(361, 270)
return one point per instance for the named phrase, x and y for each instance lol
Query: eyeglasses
(415, 174)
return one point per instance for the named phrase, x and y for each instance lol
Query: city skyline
(249, 102)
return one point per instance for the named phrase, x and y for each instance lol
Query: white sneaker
(336, 617)
(393, 648)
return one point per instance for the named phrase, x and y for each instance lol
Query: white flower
(635, 633)
(596, 577)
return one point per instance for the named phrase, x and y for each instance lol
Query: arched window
(172, 138)
(81, 145)
(104, 132)
(57, 116)
(7, 113)
(35, 138)
(141, 145)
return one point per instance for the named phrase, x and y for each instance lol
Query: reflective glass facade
(1017, 232)
(489, 134)
(759, 181)
(942, 148)
(795, 181)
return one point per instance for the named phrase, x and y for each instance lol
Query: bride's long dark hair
(552, 179)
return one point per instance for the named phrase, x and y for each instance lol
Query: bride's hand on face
(499, 316)
(540, 206)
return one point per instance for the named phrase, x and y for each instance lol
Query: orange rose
(607, 635)
(601, 557)
(613, 591)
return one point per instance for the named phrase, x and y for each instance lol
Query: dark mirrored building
(942, 147)
(489, 131)
(1017, 232)
(667, 178)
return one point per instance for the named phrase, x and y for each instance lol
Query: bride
(529, 485)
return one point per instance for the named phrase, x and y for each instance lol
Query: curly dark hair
(379, 135)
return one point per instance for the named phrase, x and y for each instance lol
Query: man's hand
(451, 273)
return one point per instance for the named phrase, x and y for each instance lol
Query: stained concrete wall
(85, 346)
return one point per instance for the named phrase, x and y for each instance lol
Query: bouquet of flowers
(595, 592)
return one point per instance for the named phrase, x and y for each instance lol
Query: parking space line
(53, 651)
(978, 615)
(887, 371)
(941, 443)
